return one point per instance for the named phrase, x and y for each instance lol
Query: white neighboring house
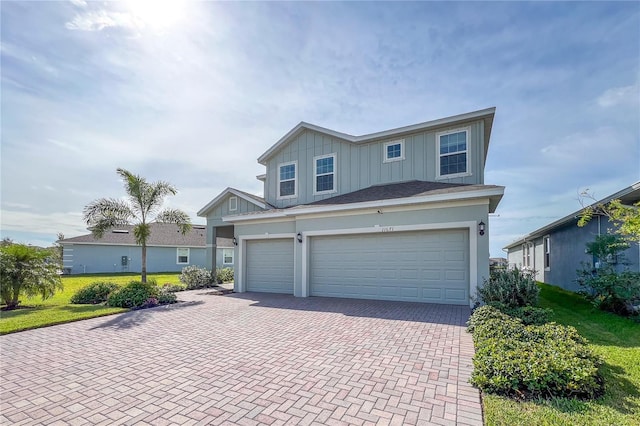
(168, 250)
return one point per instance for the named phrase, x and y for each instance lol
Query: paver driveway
(246, 359)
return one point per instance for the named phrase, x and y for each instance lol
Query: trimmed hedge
(511, 287)
(530, 315)
(521, 360)
(94, 293)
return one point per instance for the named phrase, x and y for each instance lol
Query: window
(287, 180)
(393, 151)
(183, 256)
(527, 248)
(324, 174)
(547, 253)
(453, 154)
(227, 256)
(233, 204)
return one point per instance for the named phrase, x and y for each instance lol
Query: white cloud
(101, 19)
(627, 95)
(79, 3)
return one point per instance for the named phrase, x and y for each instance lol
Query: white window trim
(546, 248)
(385, 158)
(232, 256)
(233, 201)
(467, 130)
(335, 174)
(295, 181)
(178, 255)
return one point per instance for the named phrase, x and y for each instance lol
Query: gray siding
(219, 258)
(359, 166)
(567, 253)
(91, 259)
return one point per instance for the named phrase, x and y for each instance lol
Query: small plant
(172, 288)
(511, 287)
(133, 295)
(94, 293)
(195, 277)
(166, 297)
(224, 275)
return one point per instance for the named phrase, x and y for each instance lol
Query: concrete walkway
(246, 359)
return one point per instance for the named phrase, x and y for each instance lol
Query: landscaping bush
(134, 295)
(224, 275)
(94, 293)
(172, 288)
(530, 315)
(166, 297)
(610, 291)
(512, 287)
(531, 361)
(196, 277)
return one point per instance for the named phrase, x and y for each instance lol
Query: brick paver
(246, 359)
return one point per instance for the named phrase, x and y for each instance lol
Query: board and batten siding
(361, 165)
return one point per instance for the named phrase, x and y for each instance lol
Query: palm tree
(144, 202)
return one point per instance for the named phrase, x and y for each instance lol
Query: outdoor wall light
(481, 228)
(235, 241)
(299, 237)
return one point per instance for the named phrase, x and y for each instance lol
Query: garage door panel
(270, 266)
(417, 266)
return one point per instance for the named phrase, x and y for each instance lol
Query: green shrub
(172, 288)
(196, 277)
(133, 295)
(224, 275)
(512, 287)
(531, 361)
(610, 291)
(529, 315)
(166, 297)
(94, 293)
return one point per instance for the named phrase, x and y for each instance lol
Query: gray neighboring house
(167, 250)
(556, 251)
(400, 214)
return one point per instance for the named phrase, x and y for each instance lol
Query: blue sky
(194, 92)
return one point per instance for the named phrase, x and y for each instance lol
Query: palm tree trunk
(144, 262)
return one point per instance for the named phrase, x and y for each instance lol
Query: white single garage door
(423, 266)
(270, 266)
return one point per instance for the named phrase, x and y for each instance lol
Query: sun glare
(157, 13)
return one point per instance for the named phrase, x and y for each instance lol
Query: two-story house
(395, 215)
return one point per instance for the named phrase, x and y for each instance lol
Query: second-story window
(287, 180)
(453, 153)
(324, 174)
(393, 151)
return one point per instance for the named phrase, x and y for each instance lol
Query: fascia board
(203, 211)
(482, 193)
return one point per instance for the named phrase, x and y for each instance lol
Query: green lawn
(616, 339)
(58, 310)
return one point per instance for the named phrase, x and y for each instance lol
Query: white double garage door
(423, 266)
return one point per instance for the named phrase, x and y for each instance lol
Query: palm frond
(141, 232)
(106, 213)
(176, 216)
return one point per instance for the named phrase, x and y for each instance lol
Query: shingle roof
(161, 235)
(390, 191)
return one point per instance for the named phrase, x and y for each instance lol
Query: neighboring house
(168, 250)
(557, 250)
(498, 262)
(395, 215)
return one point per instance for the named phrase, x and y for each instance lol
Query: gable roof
(254, 199)
(378, 196)
(628, 195)
(485, 114)
(162, 234)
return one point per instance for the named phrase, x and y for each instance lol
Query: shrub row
(195, 277)
(521, 360)
(134, 295)
(224, 275)
(511, 287)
